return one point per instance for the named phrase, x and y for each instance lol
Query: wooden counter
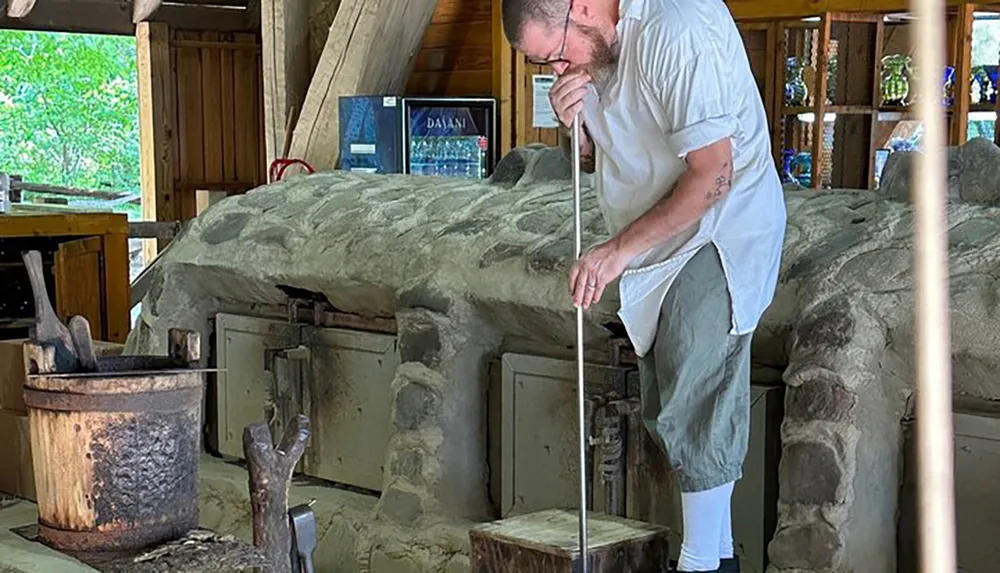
(86, 259)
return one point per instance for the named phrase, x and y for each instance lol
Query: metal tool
(79, 330)
(48, 329)
(581, 398)
(302, 522)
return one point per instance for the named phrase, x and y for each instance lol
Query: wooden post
(286, 71)
(270, 476)
(156, 127)
(963, 71)
(876, 98)
(503, 77)
(5, 195)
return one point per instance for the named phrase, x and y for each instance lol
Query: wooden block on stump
(548, 542)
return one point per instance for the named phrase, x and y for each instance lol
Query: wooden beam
(156, 127)
(285, 39)
(503, 78)
(771, 9)
(115, 17)
(963, 72)
(19, 8)
(370, 50)
(142, 9)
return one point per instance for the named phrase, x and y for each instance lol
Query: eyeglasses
(562, 50)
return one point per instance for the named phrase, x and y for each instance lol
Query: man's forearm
(694, 194)
(587, 163)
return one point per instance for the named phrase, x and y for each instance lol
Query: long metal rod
(935, 433)
(580, 397)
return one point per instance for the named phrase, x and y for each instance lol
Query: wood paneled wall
(219, 115)
(456, 58)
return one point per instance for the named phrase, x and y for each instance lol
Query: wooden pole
(935, 434)
(270, 476)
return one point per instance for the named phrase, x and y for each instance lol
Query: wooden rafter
(19, 8)
(115, 16)
(370, 50)
(142, 9)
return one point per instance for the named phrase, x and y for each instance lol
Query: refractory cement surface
(476, 264)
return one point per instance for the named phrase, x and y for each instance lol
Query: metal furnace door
(349, 391)
(255, 383)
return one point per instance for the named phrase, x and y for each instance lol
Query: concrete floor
(18, 555)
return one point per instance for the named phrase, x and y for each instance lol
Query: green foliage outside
(69, 111)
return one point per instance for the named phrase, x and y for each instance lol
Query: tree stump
(548, 542)
(270, 477)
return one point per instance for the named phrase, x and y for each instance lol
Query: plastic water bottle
(417, 157)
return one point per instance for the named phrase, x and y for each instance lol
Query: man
(676, 131)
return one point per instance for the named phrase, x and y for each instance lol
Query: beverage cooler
(439, 136)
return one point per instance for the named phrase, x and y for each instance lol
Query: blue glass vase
(786, 168)
(795, 86)
(948, 88)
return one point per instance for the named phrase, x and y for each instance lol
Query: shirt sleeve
(687, 82)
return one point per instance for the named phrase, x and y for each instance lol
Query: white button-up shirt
(683, 81)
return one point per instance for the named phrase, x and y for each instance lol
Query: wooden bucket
(116, 452)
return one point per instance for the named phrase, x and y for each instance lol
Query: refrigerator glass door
(449, 138)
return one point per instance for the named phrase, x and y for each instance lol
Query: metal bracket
(289, 395)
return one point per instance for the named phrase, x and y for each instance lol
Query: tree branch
(270, 476)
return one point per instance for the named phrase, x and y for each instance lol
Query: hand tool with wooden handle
(48, 329)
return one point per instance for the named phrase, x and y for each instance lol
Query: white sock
(726, 538)
(703, 511)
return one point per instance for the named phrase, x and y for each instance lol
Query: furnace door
(349, 399)
(260, 377)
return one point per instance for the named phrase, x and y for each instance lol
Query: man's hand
(566, 95)
(594, 270)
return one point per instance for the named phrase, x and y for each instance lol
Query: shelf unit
(856, 121)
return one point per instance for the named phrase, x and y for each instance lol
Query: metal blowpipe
(581, 402)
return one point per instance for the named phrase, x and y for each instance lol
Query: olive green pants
(695, 379)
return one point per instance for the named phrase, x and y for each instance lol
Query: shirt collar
(630, 9)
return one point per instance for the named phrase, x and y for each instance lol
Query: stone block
(425, 297)
(421, 344)
(414, 404)
(819, 400)
(812, 546)
(401, 506)
(829, 326)
(810, 473)
(407, 464)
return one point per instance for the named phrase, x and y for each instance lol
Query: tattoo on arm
(723, 182)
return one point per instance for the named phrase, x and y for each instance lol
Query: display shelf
(829, 72)
(855, 73)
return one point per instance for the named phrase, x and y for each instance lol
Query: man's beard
(604, 57)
